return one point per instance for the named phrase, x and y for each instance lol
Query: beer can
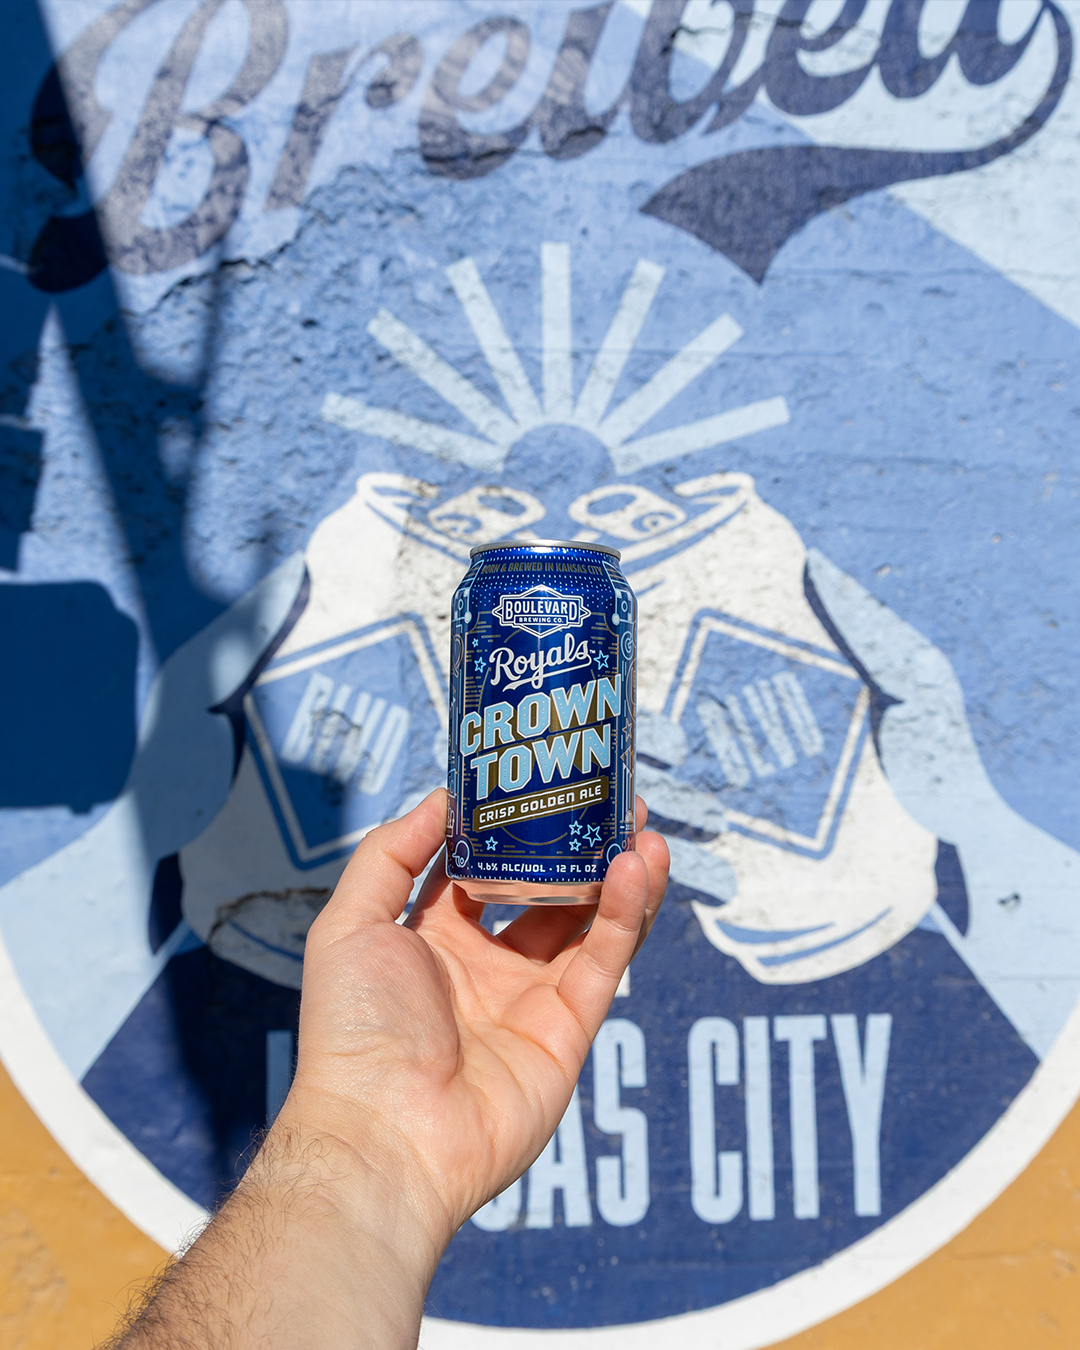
(543, 644)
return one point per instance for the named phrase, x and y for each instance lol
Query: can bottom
(531, 892)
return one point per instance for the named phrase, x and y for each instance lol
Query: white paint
(89, 1138)
(301, 734)
(759, 1123)
(1018, 214)
(799, 917)
(95, 961)
(800, 1032)
(693, 866)
(501, 1212)
(618, 342)
(1026, 957)
(561, 1167)
(799, 713)
(556, 329)
(525, 413)
(761, 1318)
(415, 354)
(498, 350)
(762, 703)
(388, 731)
(761, 766)
(702, 435)
(722, 739)
(622, 1182)
(399, 429)
(716, 1180)
(671, 379)
(862, 1075)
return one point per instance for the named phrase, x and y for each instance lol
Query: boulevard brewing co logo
(866, 953)
(540, 611)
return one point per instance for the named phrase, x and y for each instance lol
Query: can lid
(542, 544)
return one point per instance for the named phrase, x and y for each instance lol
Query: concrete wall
(779, 299)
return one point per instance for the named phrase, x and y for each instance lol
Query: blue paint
(343, 741)
(814, 713)
(929, 454)
(67, 705)
(196, 1047)
(954, 1060)
(821, 947)
(889, 360)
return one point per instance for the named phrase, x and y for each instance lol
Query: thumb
(376, 884)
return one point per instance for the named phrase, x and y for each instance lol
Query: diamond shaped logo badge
(541, 610)
(347, 734)
(774, 728)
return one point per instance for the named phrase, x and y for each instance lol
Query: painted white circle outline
(93, 1143)
(164, 1213)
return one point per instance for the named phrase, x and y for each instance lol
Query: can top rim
(577, 544)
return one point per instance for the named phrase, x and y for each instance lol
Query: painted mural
(307, 299)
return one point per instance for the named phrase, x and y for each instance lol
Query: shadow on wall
(67, 696)
(205, 1050)
(67, 715)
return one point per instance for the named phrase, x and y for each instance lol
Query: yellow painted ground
(69, 1259)
(1008, 1282)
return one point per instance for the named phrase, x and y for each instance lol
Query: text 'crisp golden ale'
(543, 645)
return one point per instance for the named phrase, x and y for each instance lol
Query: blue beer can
(543, 644)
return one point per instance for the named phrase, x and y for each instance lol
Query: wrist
(371, 1196)
(314, 1247)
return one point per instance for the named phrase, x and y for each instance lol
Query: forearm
(435, 1060)
(313, 1249)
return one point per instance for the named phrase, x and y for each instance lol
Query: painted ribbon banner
(777, 297)
(532, 804)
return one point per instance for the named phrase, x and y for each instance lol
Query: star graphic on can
(575, 826)
(575, 844)
(602, 660)
(590, 832)
(478, 665)
(491, 845)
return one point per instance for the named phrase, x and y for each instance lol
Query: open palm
(445, 1051)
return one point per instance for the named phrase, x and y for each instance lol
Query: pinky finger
(590, 979)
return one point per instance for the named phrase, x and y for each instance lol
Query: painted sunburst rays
(499, 429)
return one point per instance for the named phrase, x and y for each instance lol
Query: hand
(1023, 936)
(185, 757)
(179, 779)
(435, 1061)
(460, 1049)
(924, 739)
